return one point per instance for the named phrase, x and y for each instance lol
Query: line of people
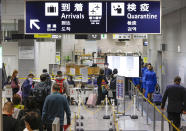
(106, 83)
(148, 82)
(42, 101)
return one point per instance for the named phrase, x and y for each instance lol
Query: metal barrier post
(142, 108)
(170, 127)
(147, 113)
(134, 116)
(154, 119)
(138, 99)
(75, 121)
(130, 89)
(162, 122)
(106, 116)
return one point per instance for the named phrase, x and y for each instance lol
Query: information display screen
(128, 66)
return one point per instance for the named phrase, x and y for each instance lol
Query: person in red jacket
(62, 84)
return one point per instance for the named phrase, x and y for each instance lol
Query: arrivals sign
(93, 17)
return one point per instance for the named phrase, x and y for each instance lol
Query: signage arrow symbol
(33, 22)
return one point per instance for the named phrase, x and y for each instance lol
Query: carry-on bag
(92, 99)
(157, 97)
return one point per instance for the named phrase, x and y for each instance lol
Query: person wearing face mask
(113, 84)
(108, 71)
(27, 87)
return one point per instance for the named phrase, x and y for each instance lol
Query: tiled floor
(93, 120)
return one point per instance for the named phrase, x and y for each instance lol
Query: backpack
(60, 83)
(157, 97)
(40, 93)
(48, 79)
(104, 86)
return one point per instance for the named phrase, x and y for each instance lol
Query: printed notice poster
(120, 87)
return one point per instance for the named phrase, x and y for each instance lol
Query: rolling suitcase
(92, 99)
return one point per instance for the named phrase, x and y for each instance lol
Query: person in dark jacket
(48, 80)
(9, 123)
(55, 105)
(29, 105)
(176, 95)
(41, 91)
(100, 80)
(108, 71)
(113, 84)
(71, 81)
(27, 87)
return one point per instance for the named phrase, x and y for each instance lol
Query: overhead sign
(93, 17)
(42, 36)
(94, 36)
(140, 36)
(121, 36)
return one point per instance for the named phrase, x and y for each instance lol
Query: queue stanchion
(134, 116)
(75, 121)
(106, 116)
(147, 116)
(154, 118)
(171, 127)
(162, 122)
(137, 100)
(142, 108)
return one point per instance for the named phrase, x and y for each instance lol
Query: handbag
(110, 94)
(104, 87)
(14, 85)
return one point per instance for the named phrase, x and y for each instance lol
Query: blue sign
(93, 17)
(120, 87)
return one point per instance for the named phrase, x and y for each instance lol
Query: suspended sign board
(93, 17)
(121, 36)
(120, 87)
(140, 36)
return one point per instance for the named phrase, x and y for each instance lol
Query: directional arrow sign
(33, 22)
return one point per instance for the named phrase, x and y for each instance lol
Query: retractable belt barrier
(154, 106)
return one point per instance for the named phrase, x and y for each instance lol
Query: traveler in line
(64, 89)
(27, 87)
(108, 71)
(32, 121)
(17, 105)
(55, 105)
(15, 84)
(113, 84)
(151, 82)
(48, 80)
(102, 83)
(9, 123)
(143, 71)
(41, 91)
(29, 105)
(176, 95)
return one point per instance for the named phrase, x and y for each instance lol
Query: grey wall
(173, 60)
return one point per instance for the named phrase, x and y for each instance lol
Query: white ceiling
(169, 6)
